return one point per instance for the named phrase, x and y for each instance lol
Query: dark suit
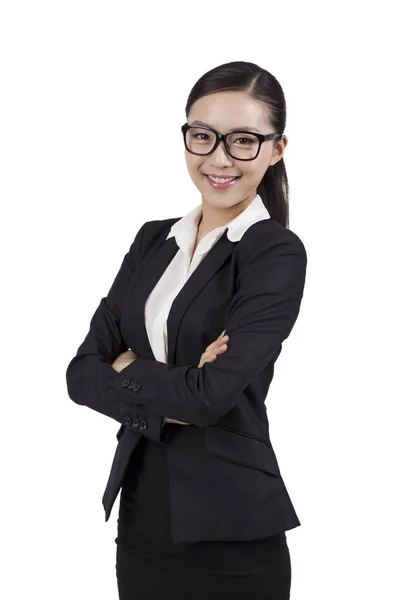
(225, 482)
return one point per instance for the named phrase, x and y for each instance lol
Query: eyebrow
(244, 128)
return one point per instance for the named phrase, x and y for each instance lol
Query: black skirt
(149, 565)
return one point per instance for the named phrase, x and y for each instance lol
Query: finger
(211, 356)
(207, 358)
(221, 349)
(220, 341)
(213, 351)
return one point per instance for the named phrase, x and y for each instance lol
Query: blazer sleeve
(261, 315)
(89, 373)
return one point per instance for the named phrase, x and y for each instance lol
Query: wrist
(121, 366)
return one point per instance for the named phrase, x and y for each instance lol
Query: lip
(222, 186)
(221, 176)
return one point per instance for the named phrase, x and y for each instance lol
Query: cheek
(194, 165)
(260, 166)
(254, 171)
(258, 174)
(250, 173)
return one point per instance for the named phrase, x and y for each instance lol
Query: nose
(220, 156)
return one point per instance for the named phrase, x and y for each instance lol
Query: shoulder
(148, 235)
(266, 238)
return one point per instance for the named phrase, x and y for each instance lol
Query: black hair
(263, 87)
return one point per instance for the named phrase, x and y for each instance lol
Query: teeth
(220, 180)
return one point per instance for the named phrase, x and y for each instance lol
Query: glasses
(240, 145)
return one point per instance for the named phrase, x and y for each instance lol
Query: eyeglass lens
(241, 145)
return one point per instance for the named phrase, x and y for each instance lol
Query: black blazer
(225, 482)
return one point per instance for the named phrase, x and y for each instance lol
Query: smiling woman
(203, 509)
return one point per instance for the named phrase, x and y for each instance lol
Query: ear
(279, 150)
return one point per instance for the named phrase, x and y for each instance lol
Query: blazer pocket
(241, 449)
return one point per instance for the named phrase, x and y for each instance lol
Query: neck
(212, 217)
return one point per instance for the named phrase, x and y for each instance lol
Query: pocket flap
(241, 449)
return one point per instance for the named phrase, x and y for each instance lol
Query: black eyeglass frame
(222, 136)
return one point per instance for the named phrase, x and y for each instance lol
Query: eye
(196, 136)
(246, 139)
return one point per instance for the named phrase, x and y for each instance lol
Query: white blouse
(159, 301)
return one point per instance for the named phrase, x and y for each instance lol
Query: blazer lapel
(207, 268)
(152, 270)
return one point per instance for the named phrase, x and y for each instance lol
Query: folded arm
(261, 316)
(90, 372)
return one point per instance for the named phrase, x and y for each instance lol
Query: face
(225, 111)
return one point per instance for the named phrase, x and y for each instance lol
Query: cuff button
(126, 382)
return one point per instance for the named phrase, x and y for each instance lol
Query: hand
(212, 351)
(123, 360)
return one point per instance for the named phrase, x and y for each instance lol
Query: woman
(203, 508)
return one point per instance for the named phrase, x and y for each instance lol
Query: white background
(80, 81)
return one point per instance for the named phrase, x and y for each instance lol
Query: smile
(221, 183)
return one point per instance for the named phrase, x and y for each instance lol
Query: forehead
(229, 110)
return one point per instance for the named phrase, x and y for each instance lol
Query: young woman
(181, 353)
